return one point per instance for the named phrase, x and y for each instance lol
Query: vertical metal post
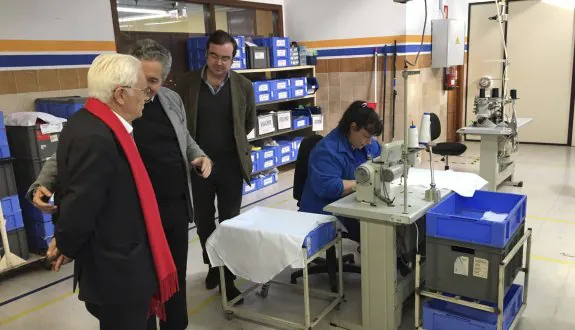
(340, 264)
(501, 297)
(306, 290)
(223, 288)
(417, 289)
(527, 267)
(405, 139)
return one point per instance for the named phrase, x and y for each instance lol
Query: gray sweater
(172, 104)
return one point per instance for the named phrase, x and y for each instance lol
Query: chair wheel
(229, 316)
(293, 281)
(520, 184)
(264, 291)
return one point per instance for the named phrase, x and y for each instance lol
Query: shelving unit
(287, 100)
(265, 136)
(289, 68)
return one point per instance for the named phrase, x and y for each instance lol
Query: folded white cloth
(49, 124)
(463, 183)
(495, 217)
(259, 244)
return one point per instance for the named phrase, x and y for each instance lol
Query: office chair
(445, 149)
(321, 266)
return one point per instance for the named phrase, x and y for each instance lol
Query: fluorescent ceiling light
(162, 23)
(142, 17)
(140, 10)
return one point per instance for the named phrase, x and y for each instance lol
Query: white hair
(108, 71)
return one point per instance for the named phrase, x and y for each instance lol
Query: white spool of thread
(425, 129)
(413, 137)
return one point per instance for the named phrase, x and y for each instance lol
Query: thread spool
(425, 129)
(482, 93)
(413, 137)
(495, 92)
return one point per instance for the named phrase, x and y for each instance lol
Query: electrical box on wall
(447, 42)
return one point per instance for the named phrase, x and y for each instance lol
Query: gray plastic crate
(7, 181)
(470, 270)
(29, 142)
(18, 244)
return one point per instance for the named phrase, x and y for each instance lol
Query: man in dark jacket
(221, 112)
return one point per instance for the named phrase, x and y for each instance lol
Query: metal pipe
(417, 287)
(306, 291)
(394, 70)
(459, 301)
(223, 289)
(527, 270)
(383, 107)
(516, 248)
(501, 297)
(340, 265)
(405, 139)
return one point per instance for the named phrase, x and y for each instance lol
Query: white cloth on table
(463, 183)
(260, 243)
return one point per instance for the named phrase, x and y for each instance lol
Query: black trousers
(225, 182)
(122, 316)
(175, 220)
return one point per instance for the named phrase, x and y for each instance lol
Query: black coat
(101, 225)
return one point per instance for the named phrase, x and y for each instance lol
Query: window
(246, 21)
(161, 16)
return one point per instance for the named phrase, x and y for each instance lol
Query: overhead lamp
(142, 17)
(141, 10)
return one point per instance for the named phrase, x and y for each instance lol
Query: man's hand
(58, 263)
(53, 253)
(204, 166)
(41, 196)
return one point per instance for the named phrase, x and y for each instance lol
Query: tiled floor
(549, 183)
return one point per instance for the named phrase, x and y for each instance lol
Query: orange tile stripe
(56, 46)
(354, 42)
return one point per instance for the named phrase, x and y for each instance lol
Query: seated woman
(334, 159)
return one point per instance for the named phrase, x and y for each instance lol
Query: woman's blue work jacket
(332, 160)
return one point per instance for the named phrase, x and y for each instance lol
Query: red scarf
(163, 261)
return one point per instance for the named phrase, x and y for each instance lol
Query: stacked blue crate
(284, 152)
(4, 149)
(39, 226)
(280, 89)
(197, 52)
(298, 87)
(62, 107)
(279, 50)
(12, 213)
(262, 91)
(240, 60)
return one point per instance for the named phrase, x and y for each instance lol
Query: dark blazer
(101, 225)
(243, 107)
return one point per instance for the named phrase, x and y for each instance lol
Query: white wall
(56, 20)
(416, 14)
(344, 19)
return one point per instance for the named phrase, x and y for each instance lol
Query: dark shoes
(213, 281)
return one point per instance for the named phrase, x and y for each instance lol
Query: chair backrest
(435, 126)
(301, 164)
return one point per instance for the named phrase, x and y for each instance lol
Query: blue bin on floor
(458, 218)
(443, 315)
(268, 180)
(12, 212)
(253, 187)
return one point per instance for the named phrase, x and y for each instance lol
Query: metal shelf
(288, 68)
(272, 168)
(278, 133)
(286, 100)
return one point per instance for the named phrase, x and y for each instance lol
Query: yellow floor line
(569, 222)
(37, 308)
(553, 260)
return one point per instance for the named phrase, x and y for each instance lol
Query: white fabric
(261, 243)
(463, 183)
(49, 124)
(124, 122)
(495, 217)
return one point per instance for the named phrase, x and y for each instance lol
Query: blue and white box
(281, 95)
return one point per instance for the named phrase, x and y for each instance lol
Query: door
(540, 47)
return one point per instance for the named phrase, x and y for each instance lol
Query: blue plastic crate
(241, 53)
(266, 159)
(279, 84)
(281, 95)
(459, 218)
(319, 237)
(12, 212)
(285, 147)
(298, 83)
(40, 229)
(63, 107)
(284, 159)
(262, 86)
(255, 161)
(197, 43)
(273, 42)
(298, 92)
(268, 180)
(299, 122)
(279, 62)
(280, 53)
(2, 123)
(241, 41)
(32, 213)
(239, 64)
(263, 97)
(297, 142)
(253, 187)
(442, 315)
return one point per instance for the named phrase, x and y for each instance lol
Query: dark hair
(221, 37)
(363, 116)
(150, 50)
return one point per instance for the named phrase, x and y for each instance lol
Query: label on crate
(263, 88)
(317, 123)
(282, 85)
(300, 123)
(461, 266)
(282, 63)
(268, 154)
(281, 53)
(260, 55)
(268, 181)
(280, 42)
(282, 95)
(51, 128)
(54, 138)
(249, 188)
(286, 150)
(264, 97)
(298, 92)
(266, 125)
(252, 134)
(269, 163)
(286, 159)
(481, 268)
(299, 82)
(237, 65)
(284, 120)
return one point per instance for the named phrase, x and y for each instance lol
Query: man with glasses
(171, 158)
(221, 112)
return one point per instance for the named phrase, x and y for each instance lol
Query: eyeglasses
(146, 91)
(216, 57)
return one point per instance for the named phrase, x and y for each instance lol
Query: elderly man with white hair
(109, 221)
